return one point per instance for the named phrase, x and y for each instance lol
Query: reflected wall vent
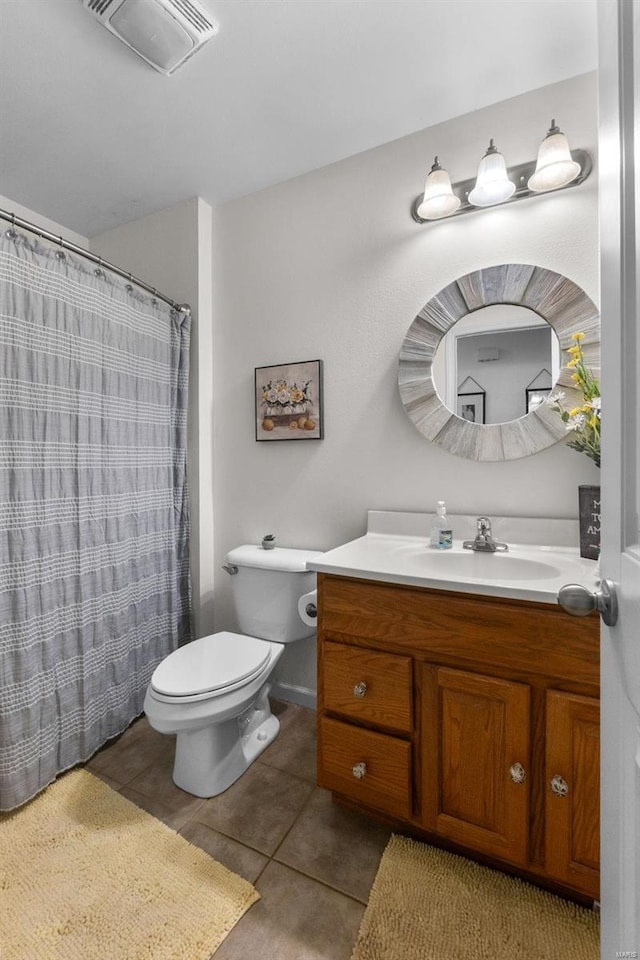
(486, 354)
(165, 33)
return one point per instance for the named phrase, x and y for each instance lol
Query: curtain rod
(74, 248)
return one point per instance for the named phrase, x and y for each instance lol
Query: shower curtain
(94, 528)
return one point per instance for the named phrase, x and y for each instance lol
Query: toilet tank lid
(285, 559)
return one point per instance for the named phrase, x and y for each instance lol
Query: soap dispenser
(441, 532)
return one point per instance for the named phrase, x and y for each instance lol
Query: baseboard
(288, 692)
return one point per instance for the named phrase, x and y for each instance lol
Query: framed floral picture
(289, 401)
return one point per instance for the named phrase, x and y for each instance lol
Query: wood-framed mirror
(553, 299)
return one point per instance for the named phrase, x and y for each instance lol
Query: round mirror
(482, 356)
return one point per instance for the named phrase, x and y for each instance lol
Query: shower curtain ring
(99, 272)
(60, 254)
(129, 287)
(11, 232)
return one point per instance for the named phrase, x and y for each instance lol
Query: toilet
(213, 692)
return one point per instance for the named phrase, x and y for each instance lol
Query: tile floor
(312, 861)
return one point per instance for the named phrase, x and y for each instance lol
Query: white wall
(171, 250)
(10, 206)
(331, 265)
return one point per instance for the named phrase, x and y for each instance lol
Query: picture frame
(471, 401)
(535, 396)
(289, 401)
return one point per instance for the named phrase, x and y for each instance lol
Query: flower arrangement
(278, 396)
(582, 421)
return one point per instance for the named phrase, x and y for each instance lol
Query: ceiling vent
(165, 33)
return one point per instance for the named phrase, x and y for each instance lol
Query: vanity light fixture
(492, 183)
(556, 168)
(439, 199)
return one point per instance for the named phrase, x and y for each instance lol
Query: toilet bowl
(213, 692)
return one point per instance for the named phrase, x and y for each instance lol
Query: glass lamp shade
(492, 184)
(439, 199)
(554, 167)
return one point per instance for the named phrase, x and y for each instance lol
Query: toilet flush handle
(230, 568)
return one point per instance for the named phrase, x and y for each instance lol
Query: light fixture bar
(519, 174)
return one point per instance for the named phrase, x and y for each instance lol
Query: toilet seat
(210, 666)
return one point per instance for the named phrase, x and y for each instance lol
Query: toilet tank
(266, 590)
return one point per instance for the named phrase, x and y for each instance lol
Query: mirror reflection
(497, 364)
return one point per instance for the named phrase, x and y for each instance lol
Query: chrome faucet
(484, 542)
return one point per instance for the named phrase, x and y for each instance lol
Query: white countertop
(528, 571)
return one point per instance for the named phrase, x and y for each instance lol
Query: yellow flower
(574, 412)
(573, 363)
(593, 421)
(577, 336)
(575, 351)
(586, 408)
(576, 377)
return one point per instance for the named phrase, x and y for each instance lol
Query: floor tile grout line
(271, 858)
(230, 836)
(295, 820)
(322, 883)
(274, 766)
(325, 883)
(227, 836)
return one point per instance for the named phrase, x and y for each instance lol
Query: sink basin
(481, 566)
(396, 549)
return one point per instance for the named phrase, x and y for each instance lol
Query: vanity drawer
(369, 686)
(370, 767)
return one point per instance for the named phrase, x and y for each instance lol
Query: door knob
(580, 602)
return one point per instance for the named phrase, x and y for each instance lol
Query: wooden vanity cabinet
(465, 719)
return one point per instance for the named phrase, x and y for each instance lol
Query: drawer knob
(359, 770)
(518, 773)
(559, 786)
(360, 690)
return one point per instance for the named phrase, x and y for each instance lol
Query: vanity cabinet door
(572, 798)
(475, 761)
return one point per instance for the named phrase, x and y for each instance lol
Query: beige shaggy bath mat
(87, 875)
(427, 904)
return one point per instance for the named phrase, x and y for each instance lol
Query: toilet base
(209, 760)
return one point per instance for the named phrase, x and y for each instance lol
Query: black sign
(589, 503)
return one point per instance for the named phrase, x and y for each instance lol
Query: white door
(619, 142)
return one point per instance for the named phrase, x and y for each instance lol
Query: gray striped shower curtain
(94, 526)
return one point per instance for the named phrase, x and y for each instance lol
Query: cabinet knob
(517, 773)
(359, 770)
(360, 690)
(559, 786)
